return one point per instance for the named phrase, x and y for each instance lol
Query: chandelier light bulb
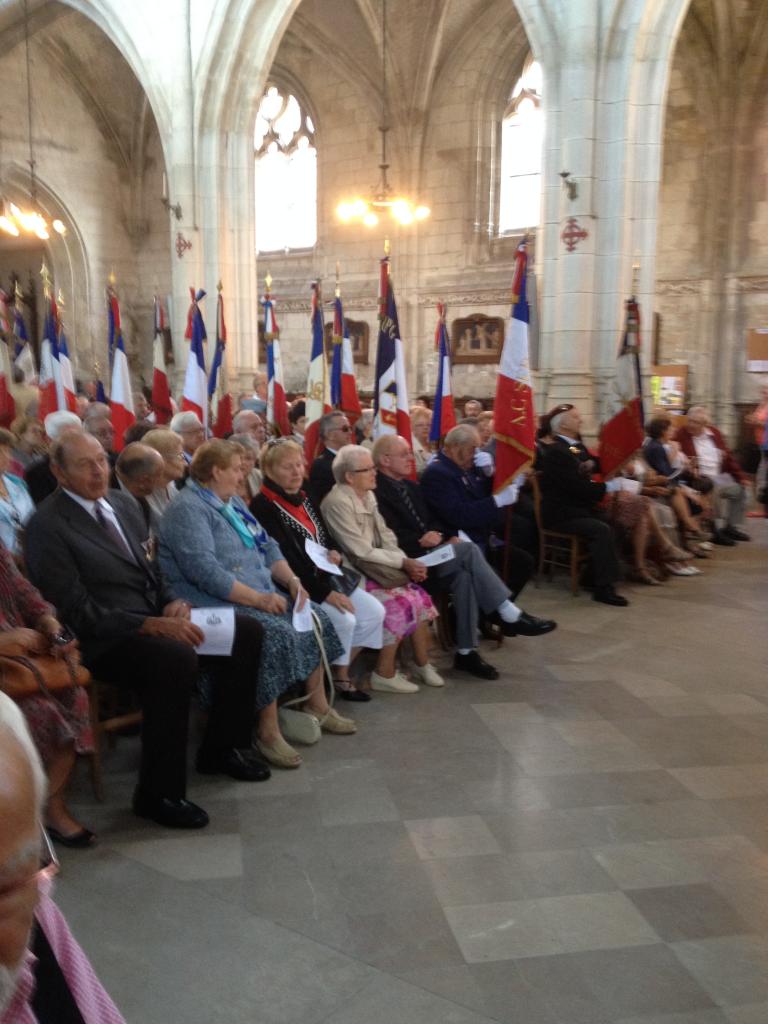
(7, 225)
(370, 219)
(59, 227)
(42, 232)
(421, 212)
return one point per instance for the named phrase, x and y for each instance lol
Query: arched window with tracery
(522, 134)
(286, 173)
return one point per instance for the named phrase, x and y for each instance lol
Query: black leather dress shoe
(721, 537)
(243, 765)
(735, 533)
(526, 625)
(607, 595)
(171, 813)
(474, 665)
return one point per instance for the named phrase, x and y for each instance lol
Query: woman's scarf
(296, 510)
(250, 531)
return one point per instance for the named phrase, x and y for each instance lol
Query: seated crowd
(104, 557)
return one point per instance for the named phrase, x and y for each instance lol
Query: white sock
(509, 611)
(463, 651)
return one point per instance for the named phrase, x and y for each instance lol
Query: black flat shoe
(607, 595)
(526, 625)
(352, 694)
(722, 538)
(474, 665)
(734, 533)
(243, 765)
(167, 812)
(76, 840)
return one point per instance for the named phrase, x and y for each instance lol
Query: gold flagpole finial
(268, 282)
(112, 280)
(17, 291)
(46, 276)
(338, 284)
(60, 300)
(219, 287)
(386, 247)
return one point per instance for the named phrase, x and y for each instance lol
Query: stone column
(605, 86)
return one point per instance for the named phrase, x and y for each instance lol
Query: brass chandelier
(383, 198)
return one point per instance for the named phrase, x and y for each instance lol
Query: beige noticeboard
(757, 350)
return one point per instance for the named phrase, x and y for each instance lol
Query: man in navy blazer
(461, 499)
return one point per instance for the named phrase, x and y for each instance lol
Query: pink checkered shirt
(93, 1002)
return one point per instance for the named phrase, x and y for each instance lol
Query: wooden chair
(556, 548)
(112, 708)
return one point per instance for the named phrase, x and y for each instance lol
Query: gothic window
(286, 174)
(521, 145)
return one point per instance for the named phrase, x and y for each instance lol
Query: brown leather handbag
(24, 675)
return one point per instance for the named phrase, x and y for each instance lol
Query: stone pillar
(605, 85)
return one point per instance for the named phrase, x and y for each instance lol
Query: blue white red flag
(623, 433)
(344, 395)
(161, 393)
(514, 426)
(7, 401)
(195, 394)
(218, 390)
(67, 375)
(22, 353)
(318, 401)
(390, 394)
(50, 370)
(443, 412)
(113, 320)
(277, 405)
(121, 396)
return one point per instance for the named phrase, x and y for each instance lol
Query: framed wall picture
(359, 336)
(477, 339)
(669, 386)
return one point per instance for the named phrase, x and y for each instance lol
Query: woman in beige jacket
(351, 512)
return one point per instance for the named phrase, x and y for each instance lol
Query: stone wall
(712, 283)
(106, 192)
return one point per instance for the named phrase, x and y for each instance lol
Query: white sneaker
(428, 675)
(397, 684)
(683, 570)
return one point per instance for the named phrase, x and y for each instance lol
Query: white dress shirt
(107, 511)
(709, 456)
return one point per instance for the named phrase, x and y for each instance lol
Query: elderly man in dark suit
(570, 501)
(334, 432)
(462, 498)
(472, 583)
(88, 555)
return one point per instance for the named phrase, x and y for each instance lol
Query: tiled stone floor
(584, 841)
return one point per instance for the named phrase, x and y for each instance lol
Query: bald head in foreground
(35, 941)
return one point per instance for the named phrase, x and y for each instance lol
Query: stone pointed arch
(67, 260)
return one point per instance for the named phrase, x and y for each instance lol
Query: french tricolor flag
(515, 429)
(121, 397)
(277, 406)
(195, 393)
(7, 402)
(161, 394)
(344, 395)
(390, 396)
(443, 412)
(67, 376)
(318, 401)
(22, 353)
(218, 391)
(49, 367)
